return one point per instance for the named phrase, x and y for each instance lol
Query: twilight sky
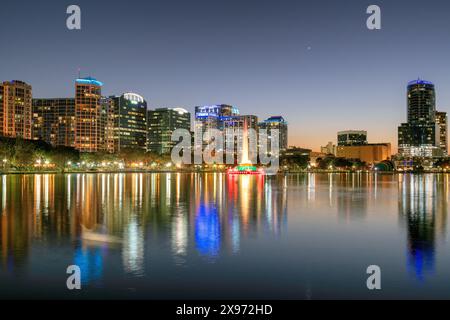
(313, 62)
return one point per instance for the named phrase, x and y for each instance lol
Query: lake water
(300, 236)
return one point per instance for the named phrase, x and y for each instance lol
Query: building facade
(280, 124)
(442, 123)
(233, 130)
(54, 121)
(369, 153)
(130, 122)
(16, 109)
(330, 148)
(108, 125)
(208, 118)
(419, 137)
(162, 123)
(352, 138)
(89, 128)
(212, 117)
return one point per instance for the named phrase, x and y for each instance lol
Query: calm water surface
(305, 236)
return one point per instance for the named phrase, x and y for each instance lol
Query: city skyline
(313, 64)
(108, 100)
(224, 157)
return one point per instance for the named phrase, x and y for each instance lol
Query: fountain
(245, 166)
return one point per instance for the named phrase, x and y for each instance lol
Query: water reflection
(178, 226)
(90, 261)
(423, 203)
(214, 211)
(207, 230)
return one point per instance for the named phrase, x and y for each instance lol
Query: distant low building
(413, 164)
(296, 157)
(296, 151)
(330, 148)
(315, 157)
(369, 153)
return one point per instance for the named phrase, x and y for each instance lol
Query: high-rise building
(89, 129)
(419, 137)
(237, 122)
(54, 121)
(130, 121)
(15, 109)
(108, 124)
(276, 122)
(233, 129)
(442, 122)
(161, 124)
(421, 101)
(352, 138)
(212, 117)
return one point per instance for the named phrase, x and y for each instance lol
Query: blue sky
(314, 62)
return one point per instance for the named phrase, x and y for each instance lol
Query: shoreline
(211, 171)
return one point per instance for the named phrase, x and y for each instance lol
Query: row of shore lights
(39, 162)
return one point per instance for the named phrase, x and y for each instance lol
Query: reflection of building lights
(207, 231)
(133, 252)
(179, 235)
(3, 193)
(90, 261)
